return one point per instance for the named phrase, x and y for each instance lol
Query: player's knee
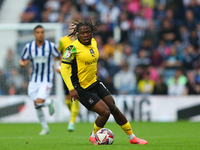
(114, 109)
(106, 113)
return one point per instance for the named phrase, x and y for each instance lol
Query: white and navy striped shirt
(42, 60)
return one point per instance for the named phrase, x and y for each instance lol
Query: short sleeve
(69, 55)
(25, 52)
(55, 51)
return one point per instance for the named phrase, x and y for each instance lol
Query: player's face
(39, 34)
(85, 34)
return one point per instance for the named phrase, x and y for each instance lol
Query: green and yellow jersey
(64, 43)
(79, 65)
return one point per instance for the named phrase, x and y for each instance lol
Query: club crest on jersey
(67, 54)
(91, 51)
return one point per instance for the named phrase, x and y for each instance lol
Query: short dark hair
(38, 26)
(76, 25)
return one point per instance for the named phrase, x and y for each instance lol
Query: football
(104, 136)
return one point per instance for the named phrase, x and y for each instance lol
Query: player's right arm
(69, 55)
(23, 62)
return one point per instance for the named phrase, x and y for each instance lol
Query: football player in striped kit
(41, 53)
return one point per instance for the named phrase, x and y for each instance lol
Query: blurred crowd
(156, 50)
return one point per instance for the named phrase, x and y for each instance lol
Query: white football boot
(51, 108)
(44, 131)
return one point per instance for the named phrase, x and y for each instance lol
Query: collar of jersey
(85, 44)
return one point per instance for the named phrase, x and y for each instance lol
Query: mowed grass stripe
(160, 136)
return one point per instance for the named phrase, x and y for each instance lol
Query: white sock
(92, 135)
(41, 118)
(47, 102)
(131, 136)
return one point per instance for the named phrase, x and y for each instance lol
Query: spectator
(190, 57)
(156, 59)
(170, 18)
(190, 21)
(184, 35)
(176, 84)
(151, 33)
(15, 80)
(194, 7)
(143, 59)
(109, 48)
(197, 73)
(3, 85)
(104, 32)
(129, 57)
(163, 50)
(159, 15)
(10, 61)
(125, 26)
(148, 11)
(111, 15)
(12, 89)
(167, 33)
(133, 6)
(194, 39)
(51, 12)
(146, 85)
(160, 87)
(31, 13)
(140, 24)
(198, 32)
(125, 81)
(191, 87)
(173, 61)
(102, 72)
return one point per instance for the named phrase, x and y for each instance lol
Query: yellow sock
(127, 128)
(96, 128)
(68, 103)
(74, 111)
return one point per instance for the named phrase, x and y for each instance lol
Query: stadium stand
(163, 35)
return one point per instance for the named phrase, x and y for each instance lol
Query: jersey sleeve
(55, 51)
(25, 52)
(60, 46)
(69, 55)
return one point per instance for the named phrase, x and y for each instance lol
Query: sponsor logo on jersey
(92, 62)
(40, 59)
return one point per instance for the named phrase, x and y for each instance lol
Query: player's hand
(58, 69)
(74, 95)
(23, 63)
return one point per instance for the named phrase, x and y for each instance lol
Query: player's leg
(42, 97)
(41, 117)
(74, 114)
(73, 107)
(32, 92)
(43, 101)
(68, 101)
(93, 103)
(103, 111)
(118, 115)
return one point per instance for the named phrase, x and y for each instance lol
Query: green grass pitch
(160, 136)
